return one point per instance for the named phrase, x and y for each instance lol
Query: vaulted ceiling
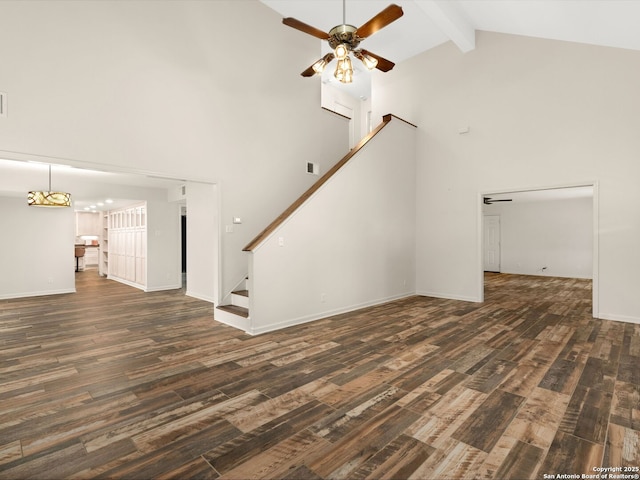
(429, 23)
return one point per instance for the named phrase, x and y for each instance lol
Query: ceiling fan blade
(381, 20)
(383, 65)
(309, 72)
(317, 67)
(303, 27)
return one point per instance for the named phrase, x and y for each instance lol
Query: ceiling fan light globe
(319, 66)
(369, 61)
(344, 70)
(341, 51)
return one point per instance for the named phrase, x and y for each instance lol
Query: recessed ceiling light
(93, 206)
(108, 200)
(100, 204)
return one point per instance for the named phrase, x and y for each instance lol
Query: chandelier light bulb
(344, 70)
(341, 51)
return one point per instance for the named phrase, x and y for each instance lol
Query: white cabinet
(127, 245)
(91, 256)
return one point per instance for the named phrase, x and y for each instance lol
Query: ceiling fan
(489, 201)
(345, 38)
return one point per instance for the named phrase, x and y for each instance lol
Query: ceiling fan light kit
(344, 70)
(366, 59)
(341, 51)
(346, 38)
(321, 64)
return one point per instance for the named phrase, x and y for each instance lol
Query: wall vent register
(3, 104)
(313, 168)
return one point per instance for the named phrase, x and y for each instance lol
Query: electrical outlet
(323, 297)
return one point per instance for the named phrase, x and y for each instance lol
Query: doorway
(122, 187)
(491, 245)
(543, 232)
(352, 104)
(183, 245)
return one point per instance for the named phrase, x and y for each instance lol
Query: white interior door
(491, 243)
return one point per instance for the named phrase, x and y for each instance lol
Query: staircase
(390, 164)
(238, 310)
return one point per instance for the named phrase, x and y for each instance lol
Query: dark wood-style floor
(112, 382)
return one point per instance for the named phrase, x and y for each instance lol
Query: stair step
(244, 293)
(240, 299)
(235, 309)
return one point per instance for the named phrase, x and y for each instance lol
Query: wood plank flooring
(115, 383)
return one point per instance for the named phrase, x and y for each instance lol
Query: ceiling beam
(449, 20)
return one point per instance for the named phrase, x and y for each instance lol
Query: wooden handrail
(316, 186)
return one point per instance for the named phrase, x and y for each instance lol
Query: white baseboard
(320, 315)
(199, 296)
(448, 296)
(126, 282)
(618, 318)
(7, 296)
(163, 287)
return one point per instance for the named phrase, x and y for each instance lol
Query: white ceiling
(87, 187)
(429, 23)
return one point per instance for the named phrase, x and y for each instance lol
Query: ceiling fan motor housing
(344, 34)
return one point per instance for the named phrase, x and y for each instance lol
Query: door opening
(183, 235)
(549, 232)
(491, 245)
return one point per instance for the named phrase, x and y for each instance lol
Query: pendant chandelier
(48, 198)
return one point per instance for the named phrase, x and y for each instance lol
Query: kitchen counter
(89, 258)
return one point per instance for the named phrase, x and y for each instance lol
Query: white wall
(551, 237)
(350, 245)
(161, 87)
(36, 249)
(164, 270)
(541, 113)
(202, 241)
(339, 101)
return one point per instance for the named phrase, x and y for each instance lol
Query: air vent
(313, 168)
(3, 104)
(183, 190)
